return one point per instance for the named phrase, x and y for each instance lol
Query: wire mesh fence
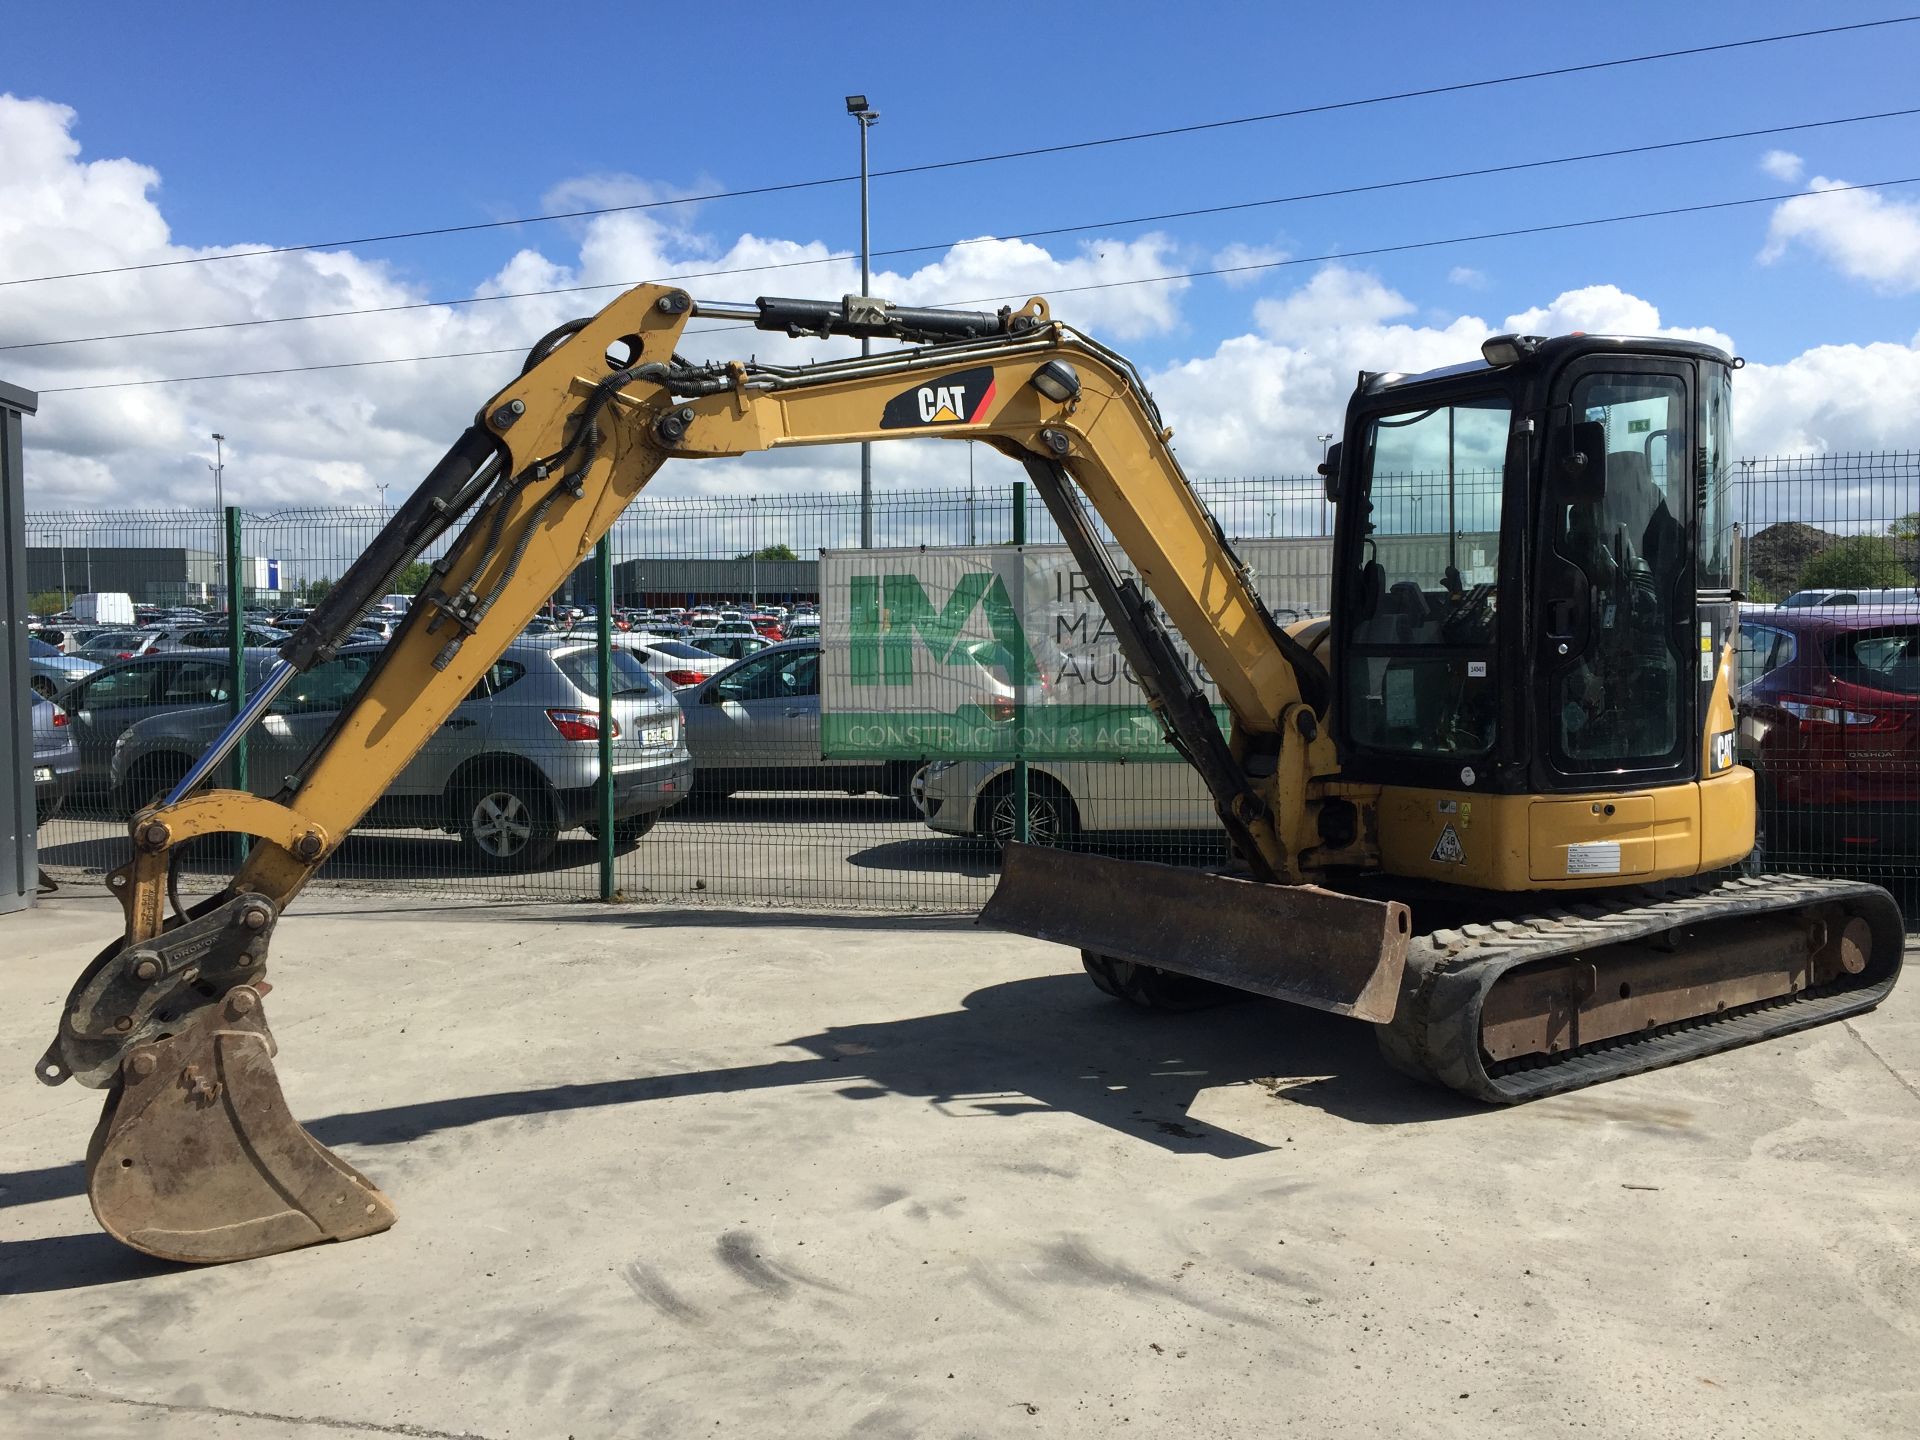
(714, 764)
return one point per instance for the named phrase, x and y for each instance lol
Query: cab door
(1618, 645)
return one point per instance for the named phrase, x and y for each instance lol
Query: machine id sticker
(1448, 850)
(1594, 857)
(1476, 669)
(1706, 650)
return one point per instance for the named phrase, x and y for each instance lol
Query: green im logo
(891, 616)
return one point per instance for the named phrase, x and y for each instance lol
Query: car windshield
(630, 677)
(675, 650)
(42, 649)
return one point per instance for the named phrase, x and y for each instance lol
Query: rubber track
(1435, 1034)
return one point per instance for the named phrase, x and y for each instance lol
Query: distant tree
(314, 591)
(1859, 562)
(1907, 527)
(47, 602)
(413, 578)
(770, 552)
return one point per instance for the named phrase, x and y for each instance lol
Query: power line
(1198, 127)
(1339, 192)
(1101, 285)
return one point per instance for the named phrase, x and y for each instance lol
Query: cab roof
(1550, 353)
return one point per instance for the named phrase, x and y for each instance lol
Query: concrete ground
(667, 1173)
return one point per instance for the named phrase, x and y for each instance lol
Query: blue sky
(276, 125)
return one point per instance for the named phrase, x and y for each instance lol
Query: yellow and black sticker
(1720, 751)
(961, 398)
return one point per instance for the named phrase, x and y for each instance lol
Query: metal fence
(1839, 791)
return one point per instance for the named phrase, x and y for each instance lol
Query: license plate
(40, 775)
(657, 735)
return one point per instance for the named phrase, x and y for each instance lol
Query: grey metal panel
(19, 857)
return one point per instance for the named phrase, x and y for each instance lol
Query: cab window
(1426, 589)
(1616, 704)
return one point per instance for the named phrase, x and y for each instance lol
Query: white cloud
(1259, 402)
(326, 436)
(1251, 403)
(1608, 310)
(1467, 276)
(1250, 262)
(1783, 165)
(1865, 234)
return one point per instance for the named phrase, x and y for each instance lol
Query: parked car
(1801, 599)
(515, 765)
(55, 759)
(110, 645)
(756, 726)
(1065, 798)
(731, 647)
(674, 661)
(53, 672)
(203, 636)
(1828, 716)
(107, 703)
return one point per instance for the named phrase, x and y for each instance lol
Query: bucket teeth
(197, 1158)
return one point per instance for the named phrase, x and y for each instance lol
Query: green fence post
(603, 641)
(1022, 822)
(236, 658)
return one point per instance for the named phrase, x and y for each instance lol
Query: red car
(1829, 719)
(768, 627)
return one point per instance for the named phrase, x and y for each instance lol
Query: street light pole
(753, 551)
(219, 505)
(858, 108)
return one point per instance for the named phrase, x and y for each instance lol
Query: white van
(110, 607)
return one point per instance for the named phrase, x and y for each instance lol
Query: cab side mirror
(1330, 475)
(1583, 469)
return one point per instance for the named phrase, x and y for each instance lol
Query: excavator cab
(1531, 587)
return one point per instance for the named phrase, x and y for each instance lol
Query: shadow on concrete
(74, 1262)
(1035, 1046)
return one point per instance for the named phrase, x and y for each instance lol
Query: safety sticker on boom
(961, 398)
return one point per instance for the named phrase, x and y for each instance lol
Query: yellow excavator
(1490, 805)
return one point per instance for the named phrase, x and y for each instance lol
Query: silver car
(756, 726)
(106, 703)
(205, 636)
(513, 766)
(55, 759)
(53, 672)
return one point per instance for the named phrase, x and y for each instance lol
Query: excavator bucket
(197, 1158)
(1292, 942)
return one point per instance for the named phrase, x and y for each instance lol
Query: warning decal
(1448, 850)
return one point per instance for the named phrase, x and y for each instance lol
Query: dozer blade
(1292, 942)
(197, 1158)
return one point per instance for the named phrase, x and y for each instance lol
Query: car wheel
(43, 687)
(631, 830)
(1050, 817)
(913, 792)
(508, 824)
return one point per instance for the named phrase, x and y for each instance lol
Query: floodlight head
(855, 104)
